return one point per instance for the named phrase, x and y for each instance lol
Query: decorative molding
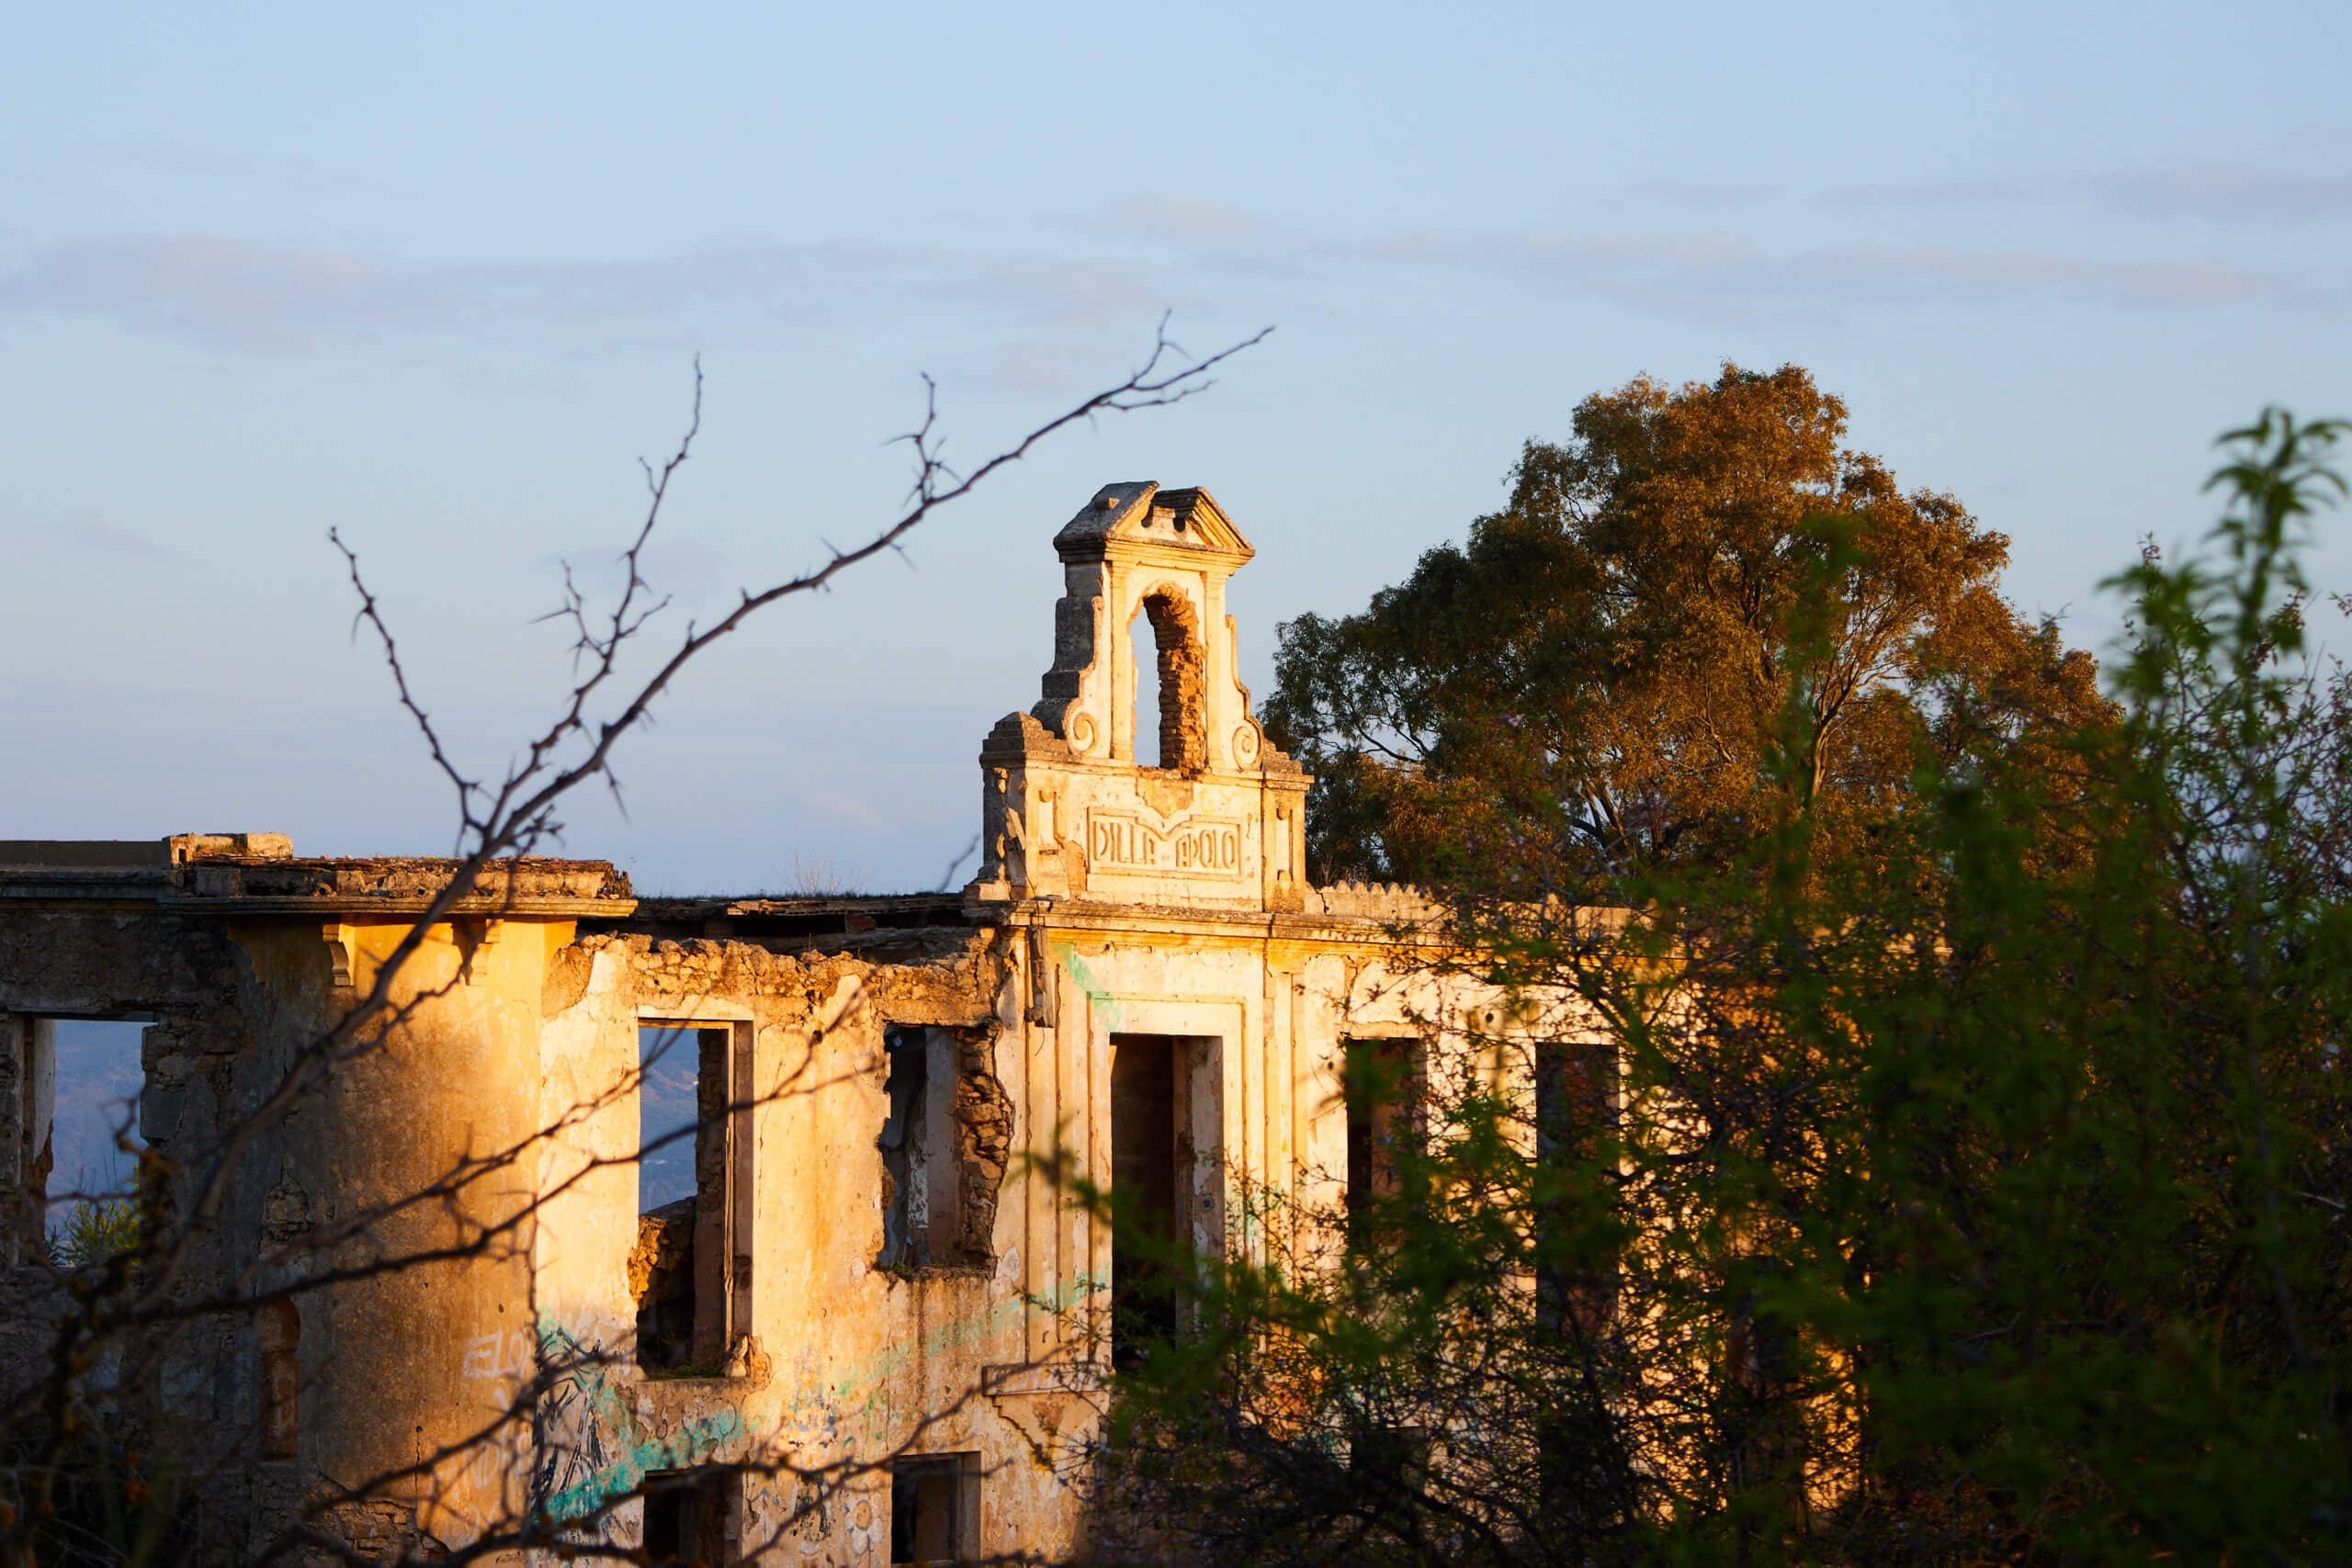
(343, 954)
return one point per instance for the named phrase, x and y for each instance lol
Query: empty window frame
(1576, 1110)
(1389, 1462)
(69, 1120)
(1576, 1095)
(935, 1508)
(920, 1158)
(691, 1517)
(1383, 1093)
(692, 1264)
(945, 1138)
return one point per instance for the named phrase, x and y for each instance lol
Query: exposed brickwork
(1183, 739)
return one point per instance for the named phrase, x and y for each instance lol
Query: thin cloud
(1634, 253)
(1720, 277)
(1932, 193)
(1193, 219)
(179, 162)
(2227, 191)
(673, 565)
(1730, 277)
(2217, 192)
(1697, 195)
(239, 295)
(1047, 367)
(218, 291)
(2160, 285)
(92, 531)
(1724, 277)
(1711, 277)
(230, 293)
(1085, 292)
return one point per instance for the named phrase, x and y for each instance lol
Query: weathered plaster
(1111, 899)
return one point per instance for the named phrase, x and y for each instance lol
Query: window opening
(1147, 1122)
(1166, 647)
(1576, 1099)
(1383, 1097)
(281, 1380)
(935, 1508)
(946, 1138)
(1390, 1459)
(1575, 1106)
(686, 1515)
(75, 1121)
(687, 1189)
(920, 1224)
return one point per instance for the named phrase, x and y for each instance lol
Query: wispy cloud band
(232, 293)
(1140, 257)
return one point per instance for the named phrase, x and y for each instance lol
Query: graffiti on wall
(592, 1445)
(1097, 994)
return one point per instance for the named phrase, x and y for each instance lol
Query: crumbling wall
(28, 1126)
(660, 1285)
(984, 1124)
(527, 1037)
(831, 1354)
(96, 963)
(207, 1002)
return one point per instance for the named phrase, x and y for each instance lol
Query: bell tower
(1068, 811)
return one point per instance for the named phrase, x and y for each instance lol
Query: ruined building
(858, 1257)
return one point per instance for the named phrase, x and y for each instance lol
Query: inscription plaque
(1197, 846)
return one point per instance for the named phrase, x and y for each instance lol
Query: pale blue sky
(434, 274)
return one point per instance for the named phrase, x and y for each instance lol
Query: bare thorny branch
(141, 1291)
(518, 813)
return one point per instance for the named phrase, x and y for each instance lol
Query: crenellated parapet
(1391, 903)
(1067, 808)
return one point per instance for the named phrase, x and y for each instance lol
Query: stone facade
(877, 1258)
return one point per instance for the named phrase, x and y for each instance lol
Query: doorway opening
(1165, 1180)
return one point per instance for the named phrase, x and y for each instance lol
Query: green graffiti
(589, 1398)
(865, 1381)
(609, 1454)
(1095, 994)
(696, 1439)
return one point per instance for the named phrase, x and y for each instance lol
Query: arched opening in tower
(1170, 733)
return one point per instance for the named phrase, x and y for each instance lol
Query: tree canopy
(1871, 1185)
(1598, 672)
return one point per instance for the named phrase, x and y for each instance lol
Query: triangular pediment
(1139, 511)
